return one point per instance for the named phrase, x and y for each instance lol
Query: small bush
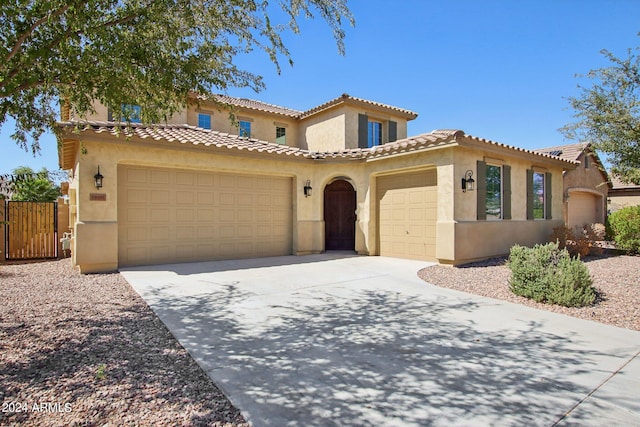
(625, 228)
(546, 273)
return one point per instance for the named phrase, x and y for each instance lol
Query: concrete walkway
(335, 340)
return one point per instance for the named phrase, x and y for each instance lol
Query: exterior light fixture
(98, 178)
(307, 188)
(468, 183)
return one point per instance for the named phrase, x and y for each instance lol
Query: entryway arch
(340, 216)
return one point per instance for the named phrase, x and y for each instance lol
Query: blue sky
(496, 69)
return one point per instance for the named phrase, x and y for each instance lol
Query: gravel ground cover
(616, 279)
(86, 350)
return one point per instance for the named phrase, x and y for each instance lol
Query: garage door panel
(167, 215)
(159, 177)
(159, 233)
(134, 175)
(205, 198)
(187, 178)
(158, 215)
(185, 197)
(136, 196)
(407, 214)
(159, 197)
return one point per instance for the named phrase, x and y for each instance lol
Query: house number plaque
(98, 197)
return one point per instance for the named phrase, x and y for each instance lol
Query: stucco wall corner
(95, 247)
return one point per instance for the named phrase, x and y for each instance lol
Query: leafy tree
(608, 114)
(29, 186)
(150, 53)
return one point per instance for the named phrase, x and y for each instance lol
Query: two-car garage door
(408, 214)
(171, 215)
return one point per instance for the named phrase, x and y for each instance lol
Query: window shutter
(393, 131)
(481, 188)
(529, 194)
(363, 131)
(506, 192)
(547, 195)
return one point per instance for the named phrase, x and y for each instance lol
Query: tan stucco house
(585, 188)
(622, 194)
(340, 176)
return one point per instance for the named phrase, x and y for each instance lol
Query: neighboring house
(622, 194)
(341, 176)
(585, 187)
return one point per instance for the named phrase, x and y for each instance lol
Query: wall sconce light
(468, 183)
(307, 188)
(98, 178)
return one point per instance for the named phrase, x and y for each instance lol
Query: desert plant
(580, 241)
(546, 273)
(625, 228)
(561, 235)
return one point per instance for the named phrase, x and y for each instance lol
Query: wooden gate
(31, 230)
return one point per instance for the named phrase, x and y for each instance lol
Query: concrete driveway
(334, 340)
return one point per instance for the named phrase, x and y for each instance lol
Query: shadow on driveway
(382, 349)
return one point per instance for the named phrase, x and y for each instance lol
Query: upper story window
(281, 135)
(374, 133)
(244, 128)
(493, 207)
(131, 113)
(204, 121)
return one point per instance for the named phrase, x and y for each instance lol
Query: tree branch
(35, 25)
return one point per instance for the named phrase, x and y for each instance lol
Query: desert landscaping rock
(86, 350)
(616, 279)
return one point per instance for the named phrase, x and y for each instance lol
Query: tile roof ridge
(519, 149)
(346, 97)
(255, 104)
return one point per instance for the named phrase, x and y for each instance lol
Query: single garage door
(407, 215)
(582, 209)
(168, 215)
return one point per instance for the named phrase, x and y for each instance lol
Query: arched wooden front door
(340, 216)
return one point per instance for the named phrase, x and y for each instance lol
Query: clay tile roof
(186, 134)
(257, 105)
(346, 98)
(617, 184)
(521, 150)
(566, 152)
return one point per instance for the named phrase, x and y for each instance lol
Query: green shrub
(546, 273)
(625, 228)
